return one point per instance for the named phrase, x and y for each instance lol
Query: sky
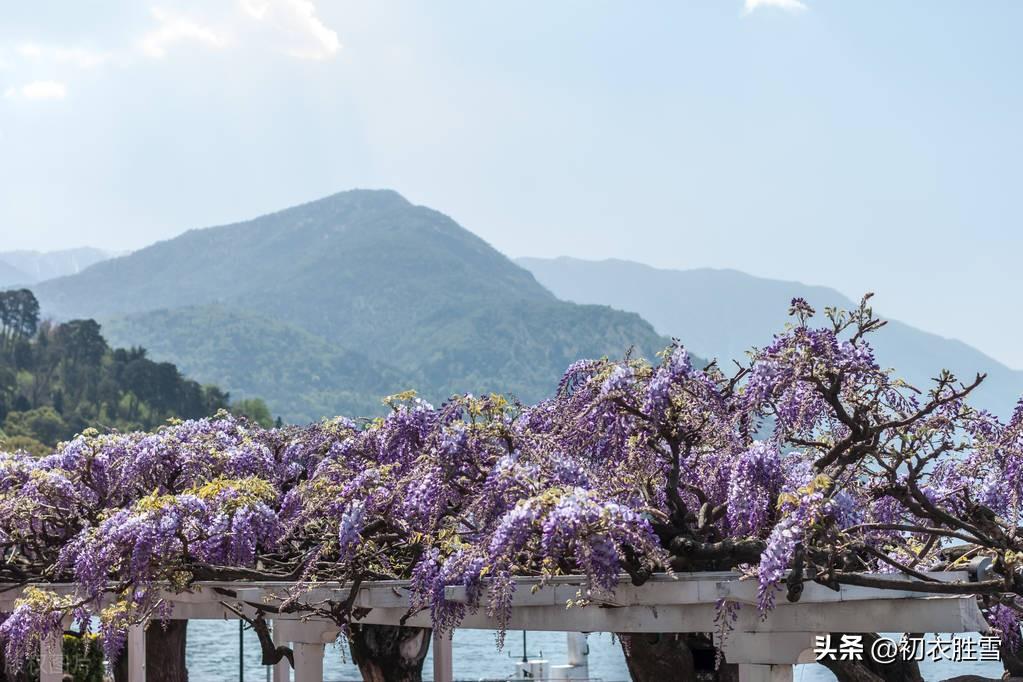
(864, 145)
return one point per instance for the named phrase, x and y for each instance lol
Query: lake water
(213, 657)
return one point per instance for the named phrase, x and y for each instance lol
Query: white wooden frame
(765, 648)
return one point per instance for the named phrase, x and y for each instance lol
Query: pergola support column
(282, 670)
(137, 653)
(51, 658)
(308, 662)
(749, 672)
(443, 658)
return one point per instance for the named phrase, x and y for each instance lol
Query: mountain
(722, 313)
(12, 276)
(268, 358)
(362, 290)
(36, 266)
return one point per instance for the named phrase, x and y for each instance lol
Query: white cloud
(307, 37)
(787, 5)
(289, 27)
(38, 90)
(30, 50)
(256, 9)
(175, 29)
(76, 56)
(83, 59)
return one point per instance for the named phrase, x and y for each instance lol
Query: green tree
(42, 423)
(24, 444)
(19, 317)
(255, 410)
(56, 380)
(215, 398)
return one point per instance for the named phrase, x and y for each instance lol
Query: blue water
(213, 657)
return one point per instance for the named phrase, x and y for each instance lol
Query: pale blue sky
(862, 145)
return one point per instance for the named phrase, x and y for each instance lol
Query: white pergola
(765, 649)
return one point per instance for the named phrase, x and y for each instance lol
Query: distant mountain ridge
(362, 290)
(29, 267)
(722, 313)
(12, 276)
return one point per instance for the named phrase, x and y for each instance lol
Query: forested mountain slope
(361, 274)
(58, 379)
(721, 313)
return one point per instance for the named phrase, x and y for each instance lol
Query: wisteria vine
(808, 463)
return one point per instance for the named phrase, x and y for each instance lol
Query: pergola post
(443, 659)
(749, 672)
(282, 670)
(51, 658)
(308, 662)
(137, 653)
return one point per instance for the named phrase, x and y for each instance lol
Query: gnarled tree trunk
(1012, 661)
(867, 670)
(660, 656)
(390, 653)
(165, 653)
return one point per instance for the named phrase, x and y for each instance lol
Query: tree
(81, 342)
(19, 317)
(81, 348)
(166, 387)
(166, 642)
(254, 409)
(42, 423)
(70, 368)
(386, 653)
(215, 399)
(24, 444)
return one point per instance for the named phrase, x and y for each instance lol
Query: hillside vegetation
(56, 380)
(719, 313)
(325, 307)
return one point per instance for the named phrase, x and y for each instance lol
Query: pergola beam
(764, 648)
(928, 614)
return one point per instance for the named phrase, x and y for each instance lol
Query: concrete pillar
(137, 653)
(443, 661)
(308, 662)
(51, 658)
(578, 649)
(767, 648)
(282, 671)
(749, 672)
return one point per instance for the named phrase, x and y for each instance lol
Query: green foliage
(83, 660)
(301, 375)
(255, 410)
(42, 423)
(66, 378)
(24, 444)
(323, 308)
(19, 317)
